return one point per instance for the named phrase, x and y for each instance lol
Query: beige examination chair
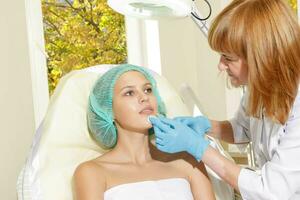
(62, 141)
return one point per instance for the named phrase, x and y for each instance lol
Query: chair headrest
(65, 141)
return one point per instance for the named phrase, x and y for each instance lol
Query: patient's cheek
(129, 113)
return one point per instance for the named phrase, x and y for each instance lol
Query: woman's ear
(115, 122)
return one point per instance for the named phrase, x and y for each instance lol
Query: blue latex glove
(173, 136)
(200, 124)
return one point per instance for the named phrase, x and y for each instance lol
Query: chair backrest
(63, 141)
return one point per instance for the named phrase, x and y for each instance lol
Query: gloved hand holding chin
(173, 136)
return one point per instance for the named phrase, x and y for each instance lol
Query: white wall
(143, 44)
(187, 57)
(19, 110)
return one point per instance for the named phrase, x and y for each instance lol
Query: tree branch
(55, 4)
(55, 14)
(47, 21)
(83, 17)
(71, 5)
(91, 11)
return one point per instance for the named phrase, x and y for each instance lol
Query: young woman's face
(235, 67)
(133, 101)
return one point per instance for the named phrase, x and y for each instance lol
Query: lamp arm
(196, 16)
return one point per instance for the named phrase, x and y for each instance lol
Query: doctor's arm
(278, 178)
(235, 130)
(221, 130)
(225, 168)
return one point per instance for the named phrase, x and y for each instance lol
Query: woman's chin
(144, 126)
(235, 83)
(148, 125)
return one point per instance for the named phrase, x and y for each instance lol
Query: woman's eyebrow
(229, 56)
(132, 86)
(126, 87)
(225, 55)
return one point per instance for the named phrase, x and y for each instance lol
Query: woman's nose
(222, 66)
(143, 97)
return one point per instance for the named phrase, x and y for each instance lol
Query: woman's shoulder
(95, 168)
(197, 176)
(89, 170)
(187, 167)
(89, 180)
(180, 164)
(181, 161)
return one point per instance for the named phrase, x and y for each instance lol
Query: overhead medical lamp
(156, 9)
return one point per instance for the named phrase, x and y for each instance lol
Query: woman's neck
(133, 147)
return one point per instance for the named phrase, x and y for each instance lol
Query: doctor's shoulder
(295, 111)
(293, 122)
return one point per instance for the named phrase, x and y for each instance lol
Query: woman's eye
(129, 93)
(228, 59)
(148, 90)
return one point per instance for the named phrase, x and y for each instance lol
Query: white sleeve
(241, 123)
(279, 178)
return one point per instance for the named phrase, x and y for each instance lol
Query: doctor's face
(133, 102)
(235, 67)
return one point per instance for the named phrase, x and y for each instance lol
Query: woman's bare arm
(200, 185)
(89, 182)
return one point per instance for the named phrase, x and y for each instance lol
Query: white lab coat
(277, 154)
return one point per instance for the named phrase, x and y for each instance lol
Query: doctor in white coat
(259, 45)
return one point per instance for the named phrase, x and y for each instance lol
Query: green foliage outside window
(293, 4)
(79, 34)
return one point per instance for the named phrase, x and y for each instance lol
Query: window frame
(38, 57)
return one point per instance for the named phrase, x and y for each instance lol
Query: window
(79, 34)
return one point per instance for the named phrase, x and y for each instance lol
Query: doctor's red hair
(266, 34)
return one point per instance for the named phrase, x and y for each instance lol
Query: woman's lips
(229, 73)
(147, 110)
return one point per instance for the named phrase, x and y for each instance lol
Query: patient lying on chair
(119, 106)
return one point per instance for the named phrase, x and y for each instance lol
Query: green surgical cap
(100, 112)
